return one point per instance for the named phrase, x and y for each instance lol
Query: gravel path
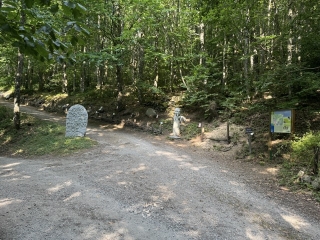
(134, 186)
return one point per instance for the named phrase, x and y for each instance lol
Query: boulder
(316, 184)
(306, 179)
(151, 113)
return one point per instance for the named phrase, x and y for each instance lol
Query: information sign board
(281, 121)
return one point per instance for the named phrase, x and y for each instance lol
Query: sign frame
(282, 121)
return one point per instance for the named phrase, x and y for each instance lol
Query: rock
(126, 112)
(151, 113)
(316, 184)
(306, 179)
(40, 102)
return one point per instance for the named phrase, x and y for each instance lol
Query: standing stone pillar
(77, 120)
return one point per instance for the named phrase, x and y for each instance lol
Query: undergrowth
(291, 154)
(36, 137)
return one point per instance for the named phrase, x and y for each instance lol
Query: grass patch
(36, 137)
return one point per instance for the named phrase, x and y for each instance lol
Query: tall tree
(26, 33)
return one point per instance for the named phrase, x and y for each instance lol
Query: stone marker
(77, 120)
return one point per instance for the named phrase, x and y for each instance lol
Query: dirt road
(137, 187)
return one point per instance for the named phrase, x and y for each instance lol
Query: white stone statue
(177, 120)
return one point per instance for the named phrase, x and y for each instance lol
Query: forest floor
(136, 185)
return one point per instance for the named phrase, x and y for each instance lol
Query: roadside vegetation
(36, 137)
(220, 61)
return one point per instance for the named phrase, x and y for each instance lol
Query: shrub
(303, 148)
(5, 117)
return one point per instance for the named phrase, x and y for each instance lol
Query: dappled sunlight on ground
(142, 167)
(10, 165)
(8, 173)
(295, 221)
(59, 187)
(119, 234)
(170, 155)
(270, 170)
(7, 201)
(166, 193)
(253, 235)
(72, 196)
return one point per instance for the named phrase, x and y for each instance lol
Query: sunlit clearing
(59, 187)
(74, 195)
(6, 201)
(295, 221)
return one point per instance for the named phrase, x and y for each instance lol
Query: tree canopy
(223, 51)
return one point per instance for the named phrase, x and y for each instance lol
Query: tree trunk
(120, 105)
(65, 81)
(156, 64)
(224, 61)
(18, 79)
(117, 31)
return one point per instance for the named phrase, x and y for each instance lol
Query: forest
(229, 52)
(220, 56)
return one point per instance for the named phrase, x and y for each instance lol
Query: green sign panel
(281, 121)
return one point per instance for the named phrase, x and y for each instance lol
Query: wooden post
(316, 160)
(228, 132)
(270, 145)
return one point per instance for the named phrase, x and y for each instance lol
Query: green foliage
(36, 137)
(151, 96)
(196, 100)
(288, 174)
(190, 130)
(302, 148)
(31, 26)
(5, 118)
